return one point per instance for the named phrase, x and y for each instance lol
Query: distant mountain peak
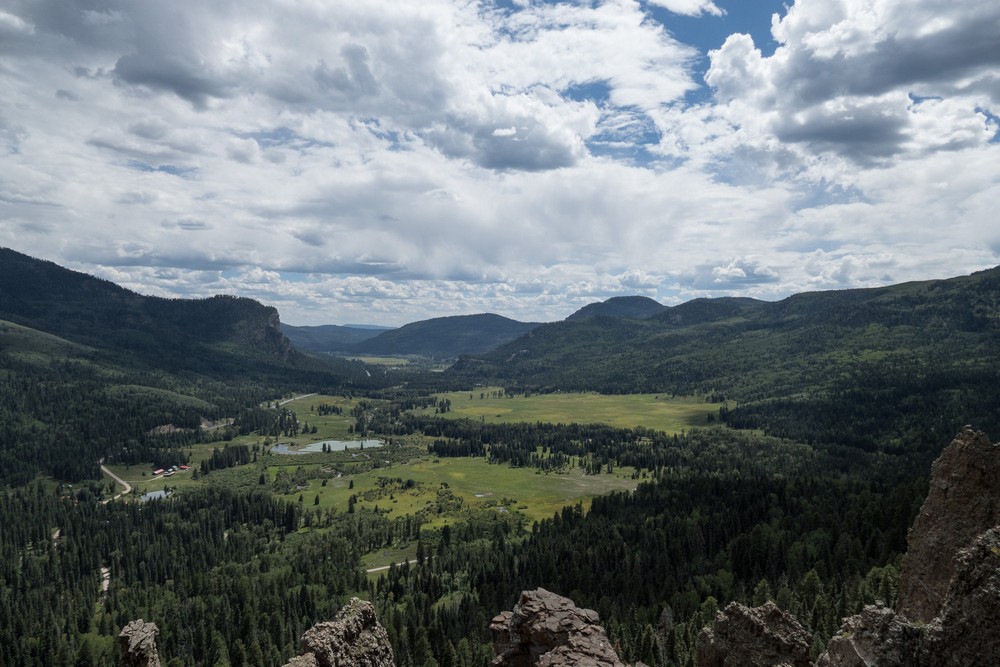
(447, 337)
(632, 307)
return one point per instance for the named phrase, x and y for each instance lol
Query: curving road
(126, 485)
(386, 567)
(295, 398)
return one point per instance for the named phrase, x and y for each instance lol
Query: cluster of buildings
(167, 472)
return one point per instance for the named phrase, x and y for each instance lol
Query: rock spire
(138, 642)
(549, 630)
(354, 638)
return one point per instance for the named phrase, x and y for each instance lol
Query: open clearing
(473, 480)
(660, 412)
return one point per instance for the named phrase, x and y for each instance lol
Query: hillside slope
(634, 307)
(198, 334)
(88, 369)
(447, 337)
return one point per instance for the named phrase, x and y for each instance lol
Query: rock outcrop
(963, 502)
(876, 636)
(948, 611)
(354, 638)
(970, 620)
(965, 633)
(138, 642)
(548, 630)
(753, 637)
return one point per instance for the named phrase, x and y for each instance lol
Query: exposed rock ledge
(753, 637)
(962, 503)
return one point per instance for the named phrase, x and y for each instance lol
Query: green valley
(653, 463)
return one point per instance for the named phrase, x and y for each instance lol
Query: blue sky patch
(594, 91)
(171, 169)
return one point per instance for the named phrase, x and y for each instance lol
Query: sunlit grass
(473, 480)
(660, 412)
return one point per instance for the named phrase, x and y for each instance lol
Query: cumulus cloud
(637, 279)
(844, 79)
(384, 162)
(733, 274)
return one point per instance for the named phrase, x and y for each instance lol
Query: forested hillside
(89, 369)
(635, 307)
(882, 367)
(200, 335)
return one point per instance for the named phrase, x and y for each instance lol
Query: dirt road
(126, 485)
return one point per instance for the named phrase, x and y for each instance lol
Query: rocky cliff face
(965, 632)
(963, 502)
(549, 630)
(354, 638)
(949, 599)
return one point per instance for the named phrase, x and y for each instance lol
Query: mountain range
(450, 337)
(902, 355)
(733, 344)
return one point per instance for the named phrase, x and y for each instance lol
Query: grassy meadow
(472, 480)
(542, 494)
(659, 412)
(444, 490)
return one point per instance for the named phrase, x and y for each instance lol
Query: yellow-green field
(473, 480)
(655, 411)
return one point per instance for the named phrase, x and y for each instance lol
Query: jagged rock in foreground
(354, 638)
(966, 633)
(949, 600)
(948, 611)
(876, 636)
(548, 630)
(970, 620)
(753, 637)
(963, 502)
(138, 642)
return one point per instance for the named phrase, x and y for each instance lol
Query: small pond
(333, 446)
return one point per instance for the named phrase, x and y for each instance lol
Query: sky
(385, 162)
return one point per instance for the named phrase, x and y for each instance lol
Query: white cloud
(690, 7)
(384, 162)
(11, 24)
(843, 81)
